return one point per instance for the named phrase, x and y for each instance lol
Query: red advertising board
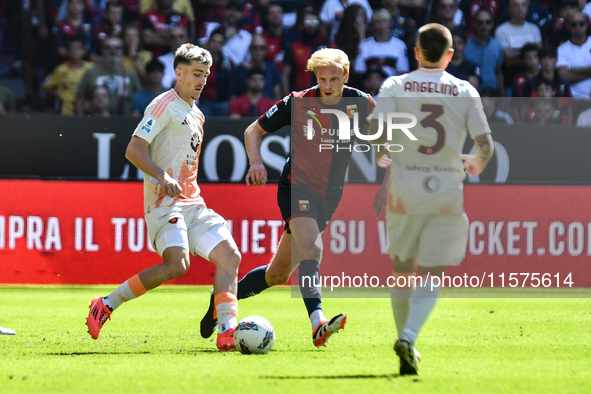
(74, 232)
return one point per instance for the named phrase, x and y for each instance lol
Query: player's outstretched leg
(252, 284)
(322, 328)
(102, 307)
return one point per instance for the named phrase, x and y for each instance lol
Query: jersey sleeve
(277, 116)
(476, 122)
(151, 125)
(385, 102)
(52, 80)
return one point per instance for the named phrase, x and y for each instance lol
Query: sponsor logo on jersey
(186, 122)
(271, 111)
(147, 127)
(431, 184)
(304, 205)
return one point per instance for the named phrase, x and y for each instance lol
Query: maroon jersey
(158, 22)
(321, 171)
(243, 107)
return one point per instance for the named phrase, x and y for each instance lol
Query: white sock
(316, 318)
(226, 307)
(118, 296)
(422, 303)
(400, 307)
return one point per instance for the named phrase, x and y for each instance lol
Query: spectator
(182, 7)
(63, 82)
(113, 23)
(372, 80)
(584, 118)
(490, 103)
(537, 13)
(274, 34)
(7, 101)
(561, 32)
(257, 49)
(545, 112)
(471, 7)
(351, 31)
(459, 66)
(515, 33)
(310, 39)
(100, 102)
(142, 98)
(134, 54)
(333, 11)
(402, 27)
(237, 39)
(157, 24)
(382, 49)
(254, 102)
(574, 57)
(548, 58)
(444, 13)
(74, 25)
(122, 82)
(529, 56)
(178, 36)
(215, 96)
(486, 52)
(544, 88)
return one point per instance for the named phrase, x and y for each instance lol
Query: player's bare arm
(257, 174)
(381, 198)
(483, 151)
(137, 155)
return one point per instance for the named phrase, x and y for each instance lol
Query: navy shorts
(298, 201)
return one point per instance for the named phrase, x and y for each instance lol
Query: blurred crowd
(112, 57)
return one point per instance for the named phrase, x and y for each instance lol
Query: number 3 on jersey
(435, 111)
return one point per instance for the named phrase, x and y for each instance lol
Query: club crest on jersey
(271, 111)
(304, 205)
(351, 109)
(147, 127)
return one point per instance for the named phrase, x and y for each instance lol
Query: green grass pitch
(152, 345)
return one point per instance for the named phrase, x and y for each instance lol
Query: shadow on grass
(108, 353)
(393, 376)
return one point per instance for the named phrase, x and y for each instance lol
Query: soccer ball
(254, 335)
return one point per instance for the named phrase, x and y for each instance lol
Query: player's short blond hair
(188, 53)
(329, 57)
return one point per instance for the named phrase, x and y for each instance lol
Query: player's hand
(379, 202)
(257, 175)
(471, 165)
(384, 161)
(170, 186)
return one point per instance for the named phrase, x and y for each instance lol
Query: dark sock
(312, 294)
(253, 283)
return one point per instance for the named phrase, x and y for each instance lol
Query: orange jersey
(174, 131)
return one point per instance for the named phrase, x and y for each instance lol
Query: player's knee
(275, 278)
(310, 251)
(231, 261)
(177, 268)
